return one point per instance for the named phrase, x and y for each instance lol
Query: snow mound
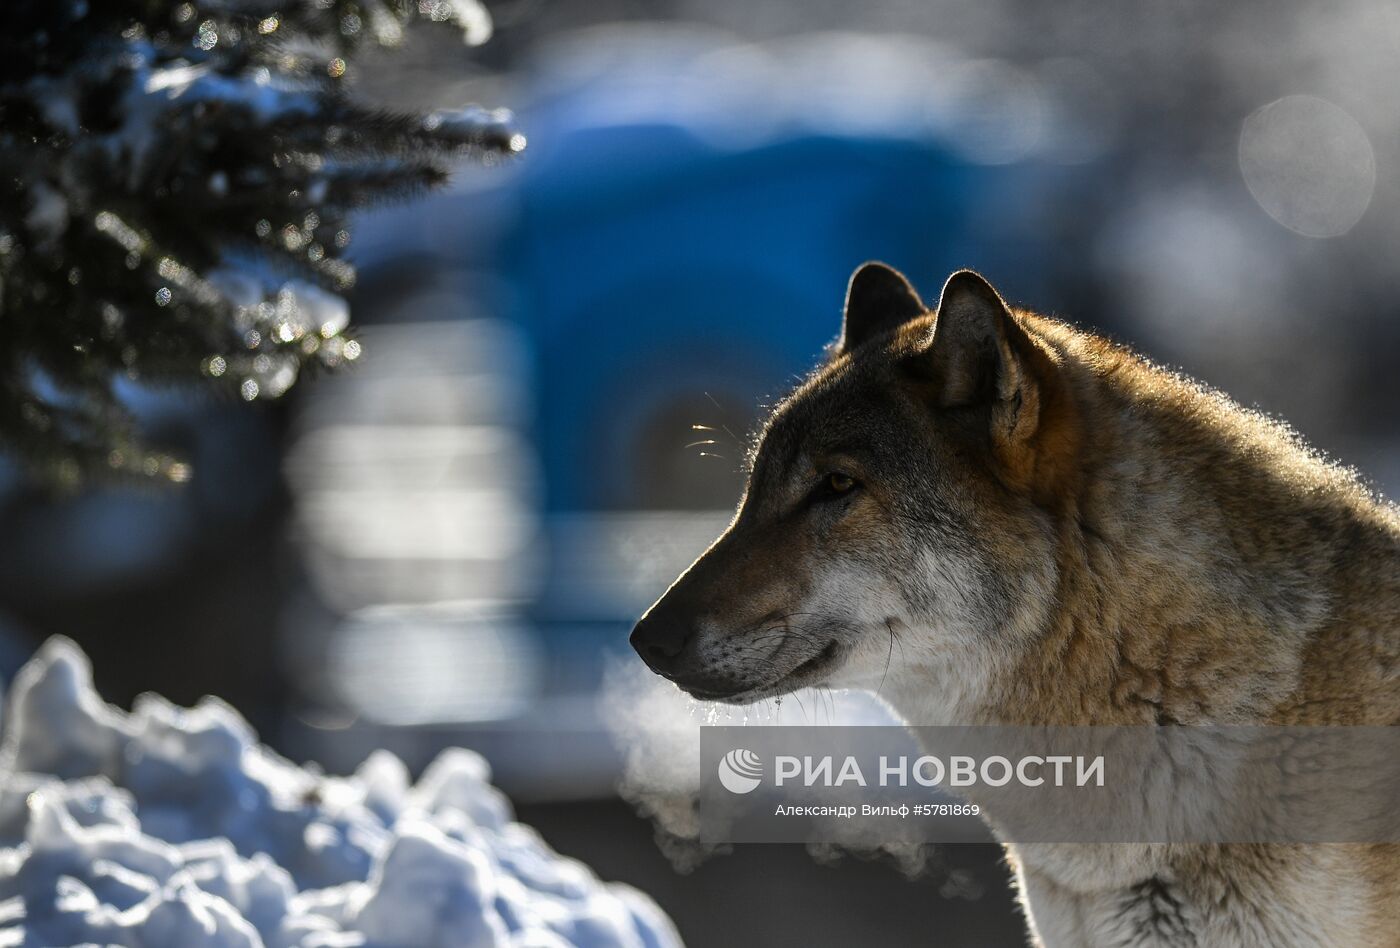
(173, 827)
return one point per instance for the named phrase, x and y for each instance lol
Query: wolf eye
(839, 483)
(831, 486)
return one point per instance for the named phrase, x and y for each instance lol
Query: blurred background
(564, 356)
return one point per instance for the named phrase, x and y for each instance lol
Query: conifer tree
(176, 180)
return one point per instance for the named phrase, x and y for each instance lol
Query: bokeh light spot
(1309, 164)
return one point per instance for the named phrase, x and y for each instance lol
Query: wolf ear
(878, 299)
(980, 355)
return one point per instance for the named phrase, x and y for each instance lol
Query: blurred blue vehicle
(667, 259)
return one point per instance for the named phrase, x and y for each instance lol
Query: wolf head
(894, 531)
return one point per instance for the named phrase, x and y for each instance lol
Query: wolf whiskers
(889, 655)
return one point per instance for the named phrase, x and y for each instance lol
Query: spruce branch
(177, 184)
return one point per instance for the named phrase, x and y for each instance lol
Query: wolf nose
(659, 643)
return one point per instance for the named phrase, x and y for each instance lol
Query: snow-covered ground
(174, 827)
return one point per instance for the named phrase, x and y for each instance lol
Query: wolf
(995, 517)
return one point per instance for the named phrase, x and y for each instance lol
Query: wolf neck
(1209, 569)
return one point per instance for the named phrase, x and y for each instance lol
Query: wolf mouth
(815, 663)
(804, 673)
